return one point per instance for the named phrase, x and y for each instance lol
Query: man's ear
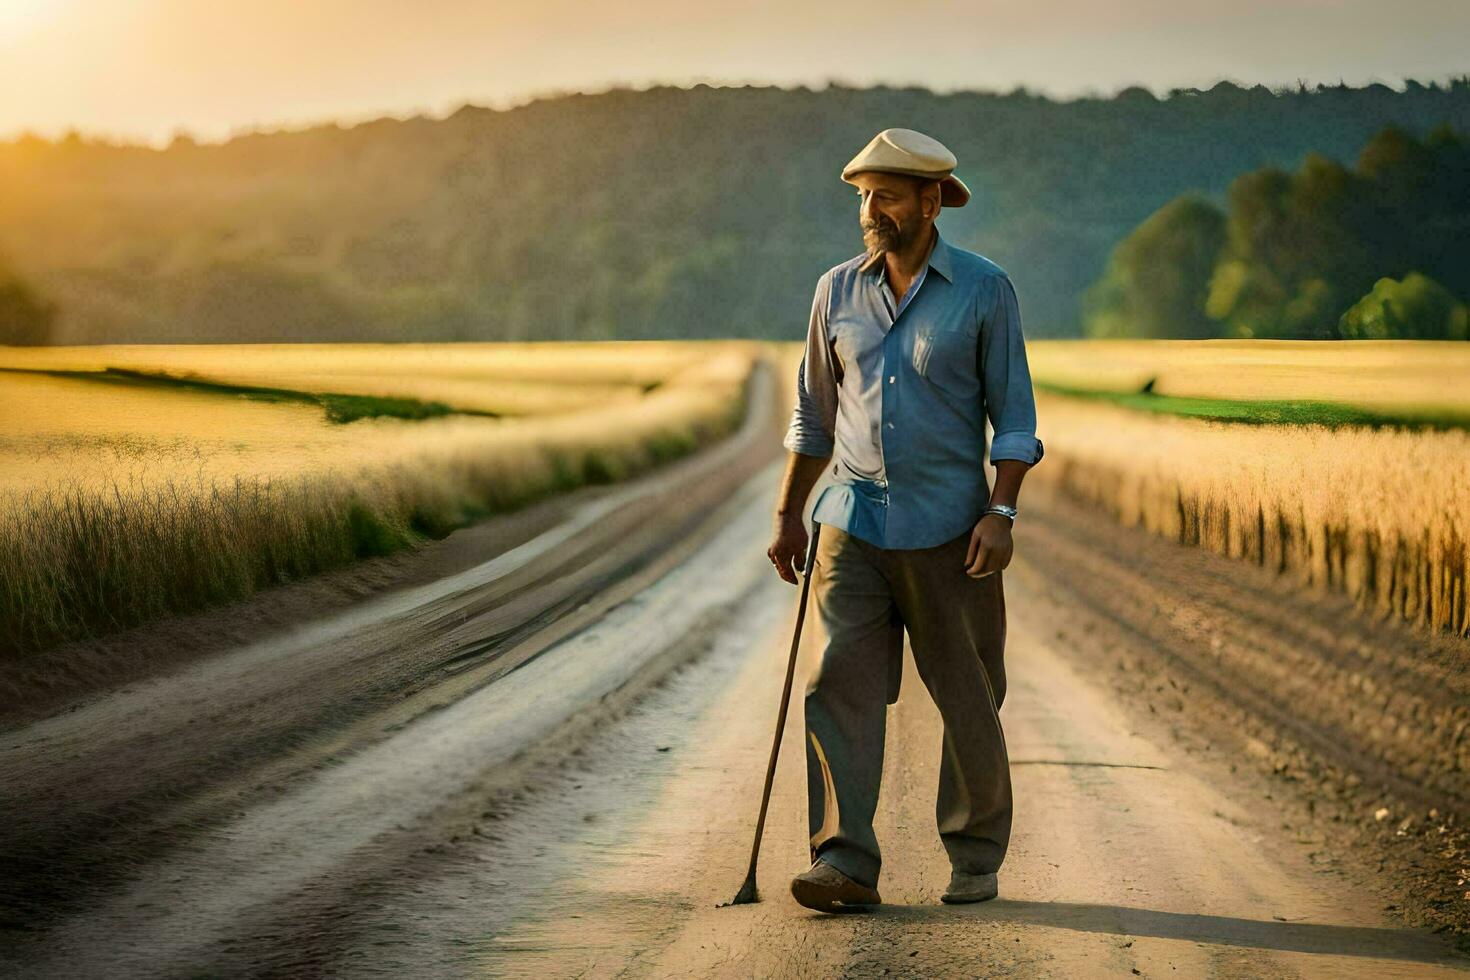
(932, 192)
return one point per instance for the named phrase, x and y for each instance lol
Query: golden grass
(506, 379)
(1409, 378)
(1382, 515)
(121, 504)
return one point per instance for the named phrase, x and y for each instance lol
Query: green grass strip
(1267, 412)
(340, 409)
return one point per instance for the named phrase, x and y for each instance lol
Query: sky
(142, 70)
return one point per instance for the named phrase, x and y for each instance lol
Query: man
(910, 347)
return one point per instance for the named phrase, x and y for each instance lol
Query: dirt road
(582, 809)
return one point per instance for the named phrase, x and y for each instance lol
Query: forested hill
(668, 212)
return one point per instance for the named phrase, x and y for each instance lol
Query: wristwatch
(1005, 510)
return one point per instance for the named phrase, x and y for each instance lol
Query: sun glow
(19, 17)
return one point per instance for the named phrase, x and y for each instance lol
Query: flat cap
(905, 151)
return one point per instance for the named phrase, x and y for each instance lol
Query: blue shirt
(897, 392)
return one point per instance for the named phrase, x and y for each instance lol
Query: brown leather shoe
(965, 887)
(824, 888)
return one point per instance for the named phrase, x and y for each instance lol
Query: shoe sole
(967, 897)
(813, 896)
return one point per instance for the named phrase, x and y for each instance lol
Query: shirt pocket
(944, 353)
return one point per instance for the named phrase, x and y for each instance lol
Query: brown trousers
(865, 596)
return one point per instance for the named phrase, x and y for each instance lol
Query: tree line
(680, 212)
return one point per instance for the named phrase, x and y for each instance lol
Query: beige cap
(904, 151)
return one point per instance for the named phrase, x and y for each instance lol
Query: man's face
(891, 210)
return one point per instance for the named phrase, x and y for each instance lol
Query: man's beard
(882, 235)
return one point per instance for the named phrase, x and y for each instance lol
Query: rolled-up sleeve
(1010, 403)
(814, 419)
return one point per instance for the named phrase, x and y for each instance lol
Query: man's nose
(865, 209)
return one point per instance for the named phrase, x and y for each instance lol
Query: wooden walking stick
(747, 893)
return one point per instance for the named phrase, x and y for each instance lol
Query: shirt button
(890, 425)
(892, 378)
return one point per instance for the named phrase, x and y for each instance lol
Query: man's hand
(788, 547)
(990, 546)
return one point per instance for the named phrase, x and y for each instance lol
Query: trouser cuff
(860, 867)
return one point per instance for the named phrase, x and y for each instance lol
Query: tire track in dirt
(1287, 666)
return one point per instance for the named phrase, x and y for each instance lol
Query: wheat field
(124, 500)
(1381, 514)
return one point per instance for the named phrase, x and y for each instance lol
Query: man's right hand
(788, 547)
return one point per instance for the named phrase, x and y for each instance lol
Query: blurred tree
(1157, 278)
(1296, 253)
(1300, 248)
(1136, 93)
(1421, 192)
(1416, 308)
(25, 317)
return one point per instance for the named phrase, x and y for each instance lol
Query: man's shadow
(1222, 930)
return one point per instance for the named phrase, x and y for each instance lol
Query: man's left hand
(990, 546)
